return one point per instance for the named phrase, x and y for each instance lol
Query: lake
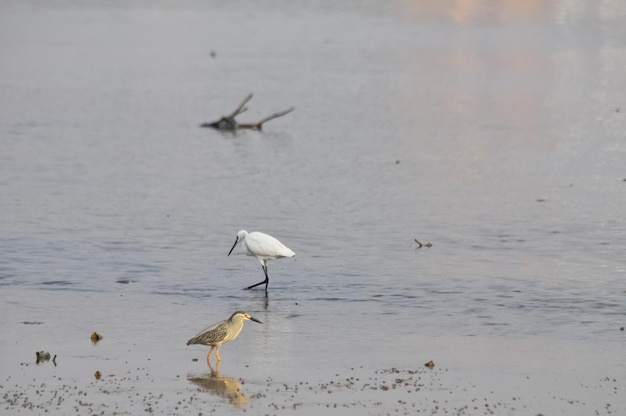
(492, 130)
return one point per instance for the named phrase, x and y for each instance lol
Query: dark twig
(242, 107)
(228, 123)
(259, 125)
(420, 245)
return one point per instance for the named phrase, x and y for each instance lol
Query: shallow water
(494, 131)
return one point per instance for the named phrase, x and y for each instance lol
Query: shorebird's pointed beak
(233, 247)
(255, 320)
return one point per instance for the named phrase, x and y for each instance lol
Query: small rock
(430, 364)
(98, 375)
(95, 337)
(621, 328)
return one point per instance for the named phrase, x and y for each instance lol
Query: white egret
(264, 247)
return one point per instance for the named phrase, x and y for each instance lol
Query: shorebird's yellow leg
(208, 356)
(217, 353)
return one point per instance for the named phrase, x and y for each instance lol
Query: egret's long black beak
(233, 247)
(255, 320)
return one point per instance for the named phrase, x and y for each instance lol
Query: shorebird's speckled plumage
(215, 335)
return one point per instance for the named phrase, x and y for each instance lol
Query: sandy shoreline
(156, 373)
(350, 391)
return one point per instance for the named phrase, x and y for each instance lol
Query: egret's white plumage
(264, 247)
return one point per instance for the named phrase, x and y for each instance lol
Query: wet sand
(144, 366)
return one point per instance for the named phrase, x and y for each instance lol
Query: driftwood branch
(259, 124)
(242, 107)
(228, 123)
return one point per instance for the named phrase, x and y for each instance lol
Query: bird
(264, 247)
(224, 331)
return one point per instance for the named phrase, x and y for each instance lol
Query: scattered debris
(98, 375)
(42, 356)
(123, 281)
(430, 364)
(95, 337)
(31, 323)
(621, 328)
(228, 123)
(420, 245)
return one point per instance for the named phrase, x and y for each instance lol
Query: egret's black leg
(266, 281)
(258, 284)
(267, 278)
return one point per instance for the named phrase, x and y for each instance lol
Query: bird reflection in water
(220, 385)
